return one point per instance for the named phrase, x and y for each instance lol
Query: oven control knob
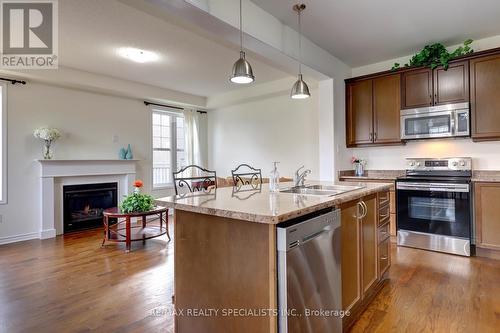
(455, 163)
(418, 164)
(462, 163)
(412, 163)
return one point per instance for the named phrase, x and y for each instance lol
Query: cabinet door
(359, 113)
(369, 258)
(452, 85)
(485, 97)
(416, 88)
(487, 212)
(386, 108)
(351, 252)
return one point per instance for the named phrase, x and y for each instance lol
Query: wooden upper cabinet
(386, 108)
(426, 87)
(451, 85)
(416, 88)
(359, 112)
(485, 97)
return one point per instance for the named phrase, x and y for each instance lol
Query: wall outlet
(115, 138)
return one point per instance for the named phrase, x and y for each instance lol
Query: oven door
(421, 125)
(434, 208)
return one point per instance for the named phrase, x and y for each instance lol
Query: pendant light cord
(241, 30)
(300, 44)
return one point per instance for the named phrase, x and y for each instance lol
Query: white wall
(269, 129)
(88, 121)
(485, 155)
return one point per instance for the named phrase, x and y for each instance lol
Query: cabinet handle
(430, 99)
(359, 214)
(371, 136)
(383, 258)
(375, 137)
(365, 209)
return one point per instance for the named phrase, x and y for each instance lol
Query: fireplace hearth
(83, 204)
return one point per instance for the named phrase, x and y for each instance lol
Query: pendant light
(300, 90)
(242, 71)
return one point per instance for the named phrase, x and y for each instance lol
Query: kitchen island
(225, 253)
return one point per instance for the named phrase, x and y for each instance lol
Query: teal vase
(129, 154)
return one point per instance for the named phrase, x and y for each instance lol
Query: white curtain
(191, 136)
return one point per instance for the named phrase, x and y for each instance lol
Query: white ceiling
(91, 31)
(361, 32)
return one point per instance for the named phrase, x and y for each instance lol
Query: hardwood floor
(435, 292)
(71, 284)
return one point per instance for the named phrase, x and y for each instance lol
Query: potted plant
(48, 135)
(359, 166)
(137, 202)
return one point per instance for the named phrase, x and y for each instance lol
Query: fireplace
(83, 204)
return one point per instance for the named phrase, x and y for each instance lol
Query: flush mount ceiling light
(242, 71)
(137, 55)
(300, 90)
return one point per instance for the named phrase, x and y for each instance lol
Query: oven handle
(436, 187)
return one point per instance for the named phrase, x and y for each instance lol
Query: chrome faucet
(300, 178)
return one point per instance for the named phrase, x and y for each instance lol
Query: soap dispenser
(274, 178)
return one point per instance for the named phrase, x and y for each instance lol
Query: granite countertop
(486, 176)
(260, 205)
(382, 175)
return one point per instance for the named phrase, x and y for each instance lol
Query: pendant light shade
(242, 71)
(300, 90)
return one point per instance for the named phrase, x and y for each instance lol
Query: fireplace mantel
(54, 174)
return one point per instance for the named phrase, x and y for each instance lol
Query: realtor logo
(29, 36)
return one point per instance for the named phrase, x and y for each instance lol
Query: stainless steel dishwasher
(309, 275)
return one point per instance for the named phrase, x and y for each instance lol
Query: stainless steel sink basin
(343, 188)
(322, 190)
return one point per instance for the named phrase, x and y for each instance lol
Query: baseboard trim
(487, 253)
(47, 233)
(19, 238)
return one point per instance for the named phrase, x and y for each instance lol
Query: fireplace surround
(56, 174)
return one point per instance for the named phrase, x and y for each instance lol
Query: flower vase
(48, 151)
(359, 169)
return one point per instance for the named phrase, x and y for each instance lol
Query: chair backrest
(244, 174)
(194, 178)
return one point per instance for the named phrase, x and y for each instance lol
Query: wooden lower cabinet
(487, 215)
(365, 250)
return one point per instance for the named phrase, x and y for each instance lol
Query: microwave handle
(453, 122)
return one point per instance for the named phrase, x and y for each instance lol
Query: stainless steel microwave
(442, 121)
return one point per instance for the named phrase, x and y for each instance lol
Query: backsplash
(484, 155)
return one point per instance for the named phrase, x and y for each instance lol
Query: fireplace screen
(84, 204)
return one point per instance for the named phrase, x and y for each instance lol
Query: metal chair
(194, 178)
(244, 174)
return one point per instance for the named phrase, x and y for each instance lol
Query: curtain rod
(170, 106)
(12, 80)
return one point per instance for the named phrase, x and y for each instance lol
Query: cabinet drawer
(384, 259)
(383, 198)
(384, 215)
(383, 232)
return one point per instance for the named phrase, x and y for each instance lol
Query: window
(168, 146)
(3, 143)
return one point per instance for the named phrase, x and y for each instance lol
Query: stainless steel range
(434, 205)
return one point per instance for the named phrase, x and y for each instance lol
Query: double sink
(322, 190)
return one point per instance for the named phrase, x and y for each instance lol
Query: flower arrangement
(359, 165)
(355, 160)
(137, 202)
(48, 135)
